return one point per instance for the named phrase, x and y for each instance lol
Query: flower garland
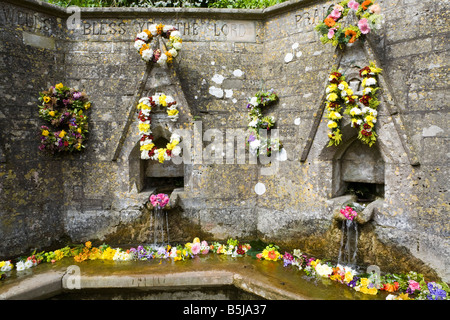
(64, 108)
(339, 93)
(409, 286)
(142, 44)
(148, 148)
(364, 119)
(332, 31)
(257, 144)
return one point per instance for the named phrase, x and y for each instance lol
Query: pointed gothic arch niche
(357, 168)
(151, 175)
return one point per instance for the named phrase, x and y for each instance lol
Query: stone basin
(249, 277)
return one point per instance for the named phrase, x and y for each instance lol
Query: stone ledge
(48, 284)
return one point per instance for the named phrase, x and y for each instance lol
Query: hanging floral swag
(257, 144)
(144, 40)
(332, 30)
(148, 148)
(362, 118)
(64, 108)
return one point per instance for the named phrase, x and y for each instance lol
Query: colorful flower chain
(405, 286)
(363, 119)
(410, 286)
(148, 148)
(332, 31)
(144, 39)
(257, 144)
(63, 107)
(333, 106)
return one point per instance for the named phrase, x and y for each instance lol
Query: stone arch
(148, 175)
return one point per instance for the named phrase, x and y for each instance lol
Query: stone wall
(227, 56)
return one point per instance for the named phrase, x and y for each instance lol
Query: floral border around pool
(410, 286)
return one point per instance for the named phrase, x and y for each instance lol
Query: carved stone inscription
(195, 30)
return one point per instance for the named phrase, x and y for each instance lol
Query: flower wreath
(363, 119)
(148, 148)
(63, 107)
(143, 40)
(257, 121)
(331, 30)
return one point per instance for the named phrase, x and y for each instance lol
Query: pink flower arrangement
(349, 213)
(204, 247)
(195, 249)
(160, 200)
(375, 9)
(364, 26)
(353, 5)
(338, 7)
(413, 285)
(335, 14)
(331, 33)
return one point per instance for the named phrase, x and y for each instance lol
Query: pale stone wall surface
(227, 56)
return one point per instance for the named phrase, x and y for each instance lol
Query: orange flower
(159, 28)
(144, 47)
(148, 33)
(329, 22)
(366, 4)
(351, 33)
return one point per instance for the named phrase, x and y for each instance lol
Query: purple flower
(436, 293)
(251, 138)
(77, 95)
(287, 259)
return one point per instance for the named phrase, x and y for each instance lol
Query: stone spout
(363, 217)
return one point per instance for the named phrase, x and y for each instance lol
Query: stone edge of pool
(52, 283)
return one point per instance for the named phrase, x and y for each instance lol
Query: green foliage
(240, 4)
(244, 4)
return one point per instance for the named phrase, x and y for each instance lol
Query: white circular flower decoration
(144, 40)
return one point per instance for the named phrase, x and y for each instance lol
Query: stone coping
(131, 12)
(53, 282)
(265, 279)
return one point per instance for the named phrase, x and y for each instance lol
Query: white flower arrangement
(147, 147)
(144, 39)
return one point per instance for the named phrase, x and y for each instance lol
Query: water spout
(160, 227)
(347, 253)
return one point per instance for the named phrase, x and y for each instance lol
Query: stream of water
(349, 243)
(160, 227)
